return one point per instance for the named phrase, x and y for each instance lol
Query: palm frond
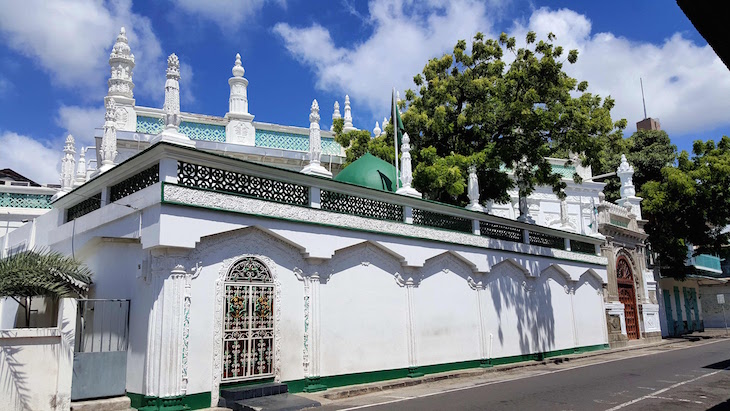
(43, 273)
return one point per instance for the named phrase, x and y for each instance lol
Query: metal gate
(100, 350)
(627, 296)
(248, 321)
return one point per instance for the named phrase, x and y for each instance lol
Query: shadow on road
(719, 366)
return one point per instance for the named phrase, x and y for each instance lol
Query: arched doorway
(627, 296)
(248, 322)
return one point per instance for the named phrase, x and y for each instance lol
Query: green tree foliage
(689, 204)
(476, 109)
(648, 151)
(30, 274)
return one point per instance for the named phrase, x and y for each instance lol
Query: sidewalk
(340, 393)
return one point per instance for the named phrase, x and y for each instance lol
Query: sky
(54, 60)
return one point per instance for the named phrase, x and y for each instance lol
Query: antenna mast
(642, 95)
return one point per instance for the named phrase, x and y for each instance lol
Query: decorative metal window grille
(500, 231)
(438, 220)
(149, 125)
(248, 321)
(365, 207)
(84, 207)
(135, 183)
(582, 247)
(201, 131)
(193, 175)
(546, 240)
(19, 200)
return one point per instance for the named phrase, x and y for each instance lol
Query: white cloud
(686, 85)
(71, 41)
(405, 35)
(26, 156)
(80, 122)
(228, 14)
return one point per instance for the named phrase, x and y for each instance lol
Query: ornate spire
(315, 144)
(108, 149)
(335, 115)
(172, 106)
(348, 116)
(68, 164)
(80, 169)
(473, 192)
(625, 172)
(238, 100)
(406, 174)
(121, 61)
(377, 130)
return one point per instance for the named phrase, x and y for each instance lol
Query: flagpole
(395, 134)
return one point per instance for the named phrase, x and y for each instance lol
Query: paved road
(663, 378)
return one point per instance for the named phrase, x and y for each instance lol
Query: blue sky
(53, 60)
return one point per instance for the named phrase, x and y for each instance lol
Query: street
(691, 376)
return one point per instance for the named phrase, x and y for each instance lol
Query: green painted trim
(383, 375)
(185, 402)
(176, 203)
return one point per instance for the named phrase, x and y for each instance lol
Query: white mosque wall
(363, 316)
(446, 313)
(589, 311)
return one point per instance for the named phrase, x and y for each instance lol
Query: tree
(30, 274)
(473, 108)
(690, 206)
(648, 151)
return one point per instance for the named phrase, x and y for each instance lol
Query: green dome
(369, 171)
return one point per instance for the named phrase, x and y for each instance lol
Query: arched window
(248, 321)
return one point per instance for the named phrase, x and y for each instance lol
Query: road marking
(670, 381)
(359, 407)
(676, 399)
(684, 375)
(663, 390)
(646, 388)
(396, 396)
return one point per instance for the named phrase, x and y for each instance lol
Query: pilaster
(168, 329)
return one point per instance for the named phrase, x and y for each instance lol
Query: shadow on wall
(529, 300)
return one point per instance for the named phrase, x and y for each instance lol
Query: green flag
(397, 123)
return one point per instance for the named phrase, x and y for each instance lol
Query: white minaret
(628, 198)
(377, 130)
(240, 129)
(68, 165)
(315, 145)
(473, 192)
(108, 150)
(121, 86)
(170, 133)
(335, 115)
(80, 169)
(406, 174)
(348, 116)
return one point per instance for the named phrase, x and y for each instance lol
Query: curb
(353, 391)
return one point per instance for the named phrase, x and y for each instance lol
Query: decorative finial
(377, 129)
(238, 70)
(473, 190)
(68, 164)
(173, 67)
(314, 114)
(335, 115)
(348, 116)
(121, 63)
(315, 145)
(406, 173)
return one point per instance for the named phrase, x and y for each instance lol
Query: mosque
(247, 254)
